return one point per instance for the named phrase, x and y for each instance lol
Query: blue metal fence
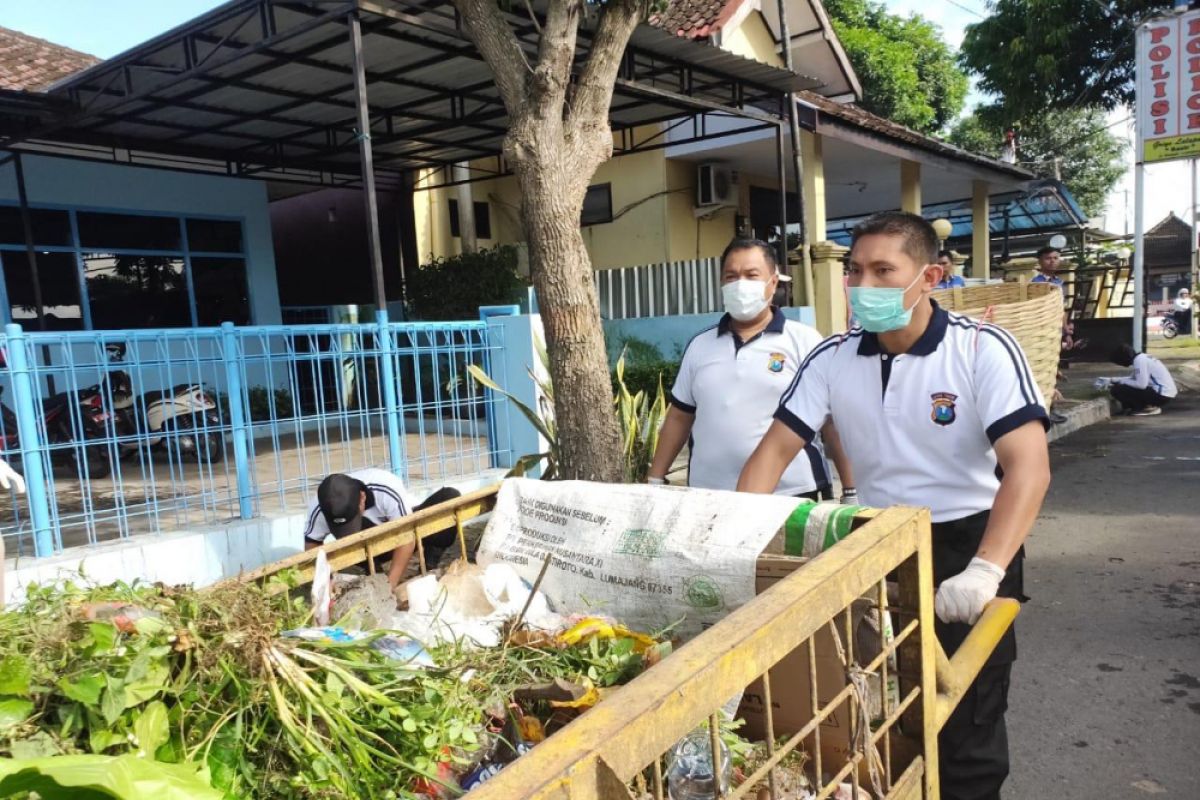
(148, 431)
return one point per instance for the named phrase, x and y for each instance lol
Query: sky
(105, 28)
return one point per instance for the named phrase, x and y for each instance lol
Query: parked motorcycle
(1169, 325)
(64, 428)
(182, 419)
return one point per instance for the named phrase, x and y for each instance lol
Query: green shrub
(643, 377)
(455, 287)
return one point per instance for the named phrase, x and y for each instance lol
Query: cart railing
(621, 741)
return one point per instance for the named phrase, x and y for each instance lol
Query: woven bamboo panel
(1031, 312)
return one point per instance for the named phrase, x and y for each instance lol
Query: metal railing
(660, 290)
(147, 431)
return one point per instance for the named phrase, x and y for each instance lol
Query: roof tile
(31, 64)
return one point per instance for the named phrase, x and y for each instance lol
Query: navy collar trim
(868, 345)
(774, 326)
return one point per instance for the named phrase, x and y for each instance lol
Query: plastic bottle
(690, 774)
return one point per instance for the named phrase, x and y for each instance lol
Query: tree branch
(556, 55)
(498, 45)
(593, 96)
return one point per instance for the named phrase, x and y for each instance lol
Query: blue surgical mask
(880, 309)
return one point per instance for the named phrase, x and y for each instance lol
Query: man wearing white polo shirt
(935, 410)
(730, 381)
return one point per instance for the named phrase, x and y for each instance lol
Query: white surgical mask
(744, 299)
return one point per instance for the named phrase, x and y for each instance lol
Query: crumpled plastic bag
(470, 604)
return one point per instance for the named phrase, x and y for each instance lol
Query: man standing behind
(932, 407)
(1049, 259)
(949, 280)
(730, 380)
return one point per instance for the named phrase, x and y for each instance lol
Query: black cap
(339, 497)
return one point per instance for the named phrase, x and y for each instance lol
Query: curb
(1081, 415)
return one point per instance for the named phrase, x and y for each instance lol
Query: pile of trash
(143, 690)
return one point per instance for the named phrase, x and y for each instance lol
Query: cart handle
(955, 675)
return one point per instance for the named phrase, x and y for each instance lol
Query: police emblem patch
(943, 408)
(775, 362)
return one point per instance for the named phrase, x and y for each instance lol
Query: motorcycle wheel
(210, 448)
(95, 457)
(1169, 331)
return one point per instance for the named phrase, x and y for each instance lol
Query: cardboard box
(791, 689)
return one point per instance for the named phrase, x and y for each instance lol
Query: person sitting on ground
(1148, 389)
(949, 280)
(347, 503)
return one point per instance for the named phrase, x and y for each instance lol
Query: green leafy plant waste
(200, 689)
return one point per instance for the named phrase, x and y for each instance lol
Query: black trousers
(973, 746)
(1133, 399)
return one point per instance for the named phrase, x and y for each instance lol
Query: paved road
(1105, 702)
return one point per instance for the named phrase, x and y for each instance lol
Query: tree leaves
(1044, 54)
(1090, 156)
(909, 74)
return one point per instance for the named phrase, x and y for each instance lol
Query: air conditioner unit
(716, 185)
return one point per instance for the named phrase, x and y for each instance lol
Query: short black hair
(945, 254)
(920, 239)
(768, 251)
(1047, 250)
(1123, 355)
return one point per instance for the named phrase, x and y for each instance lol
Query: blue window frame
(105, 269)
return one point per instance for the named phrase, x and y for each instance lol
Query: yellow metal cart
(890, 754)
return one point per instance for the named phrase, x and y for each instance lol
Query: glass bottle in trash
(690, 771)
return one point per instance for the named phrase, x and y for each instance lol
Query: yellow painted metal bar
(955, 675)
(654, 711)
(364, 546)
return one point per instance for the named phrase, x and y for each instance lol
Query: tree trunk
(558, 136)
(589, 437)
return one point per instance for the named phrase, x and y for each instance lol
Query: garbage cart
(865, 710)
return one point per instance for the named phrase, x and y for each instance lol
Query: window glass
(128, 231)
(483, 220)
(50, 228)
(59, 283)
(127, 291)
(214, 236)
(220, 287)
(597, 205)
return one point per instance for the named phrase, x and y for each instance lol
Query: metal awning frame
(132, 88)
(213, 69)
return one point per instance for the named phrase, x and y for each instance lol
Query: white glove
(10, 478)
(962, 597)
(849, 497)
(1102, 383)
(653, 481)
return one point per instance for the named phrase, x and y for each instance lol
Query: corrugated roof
(227, 85)
(30, 64)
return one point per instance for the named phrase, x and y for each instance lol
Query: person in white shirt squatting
(1147, 390)
(730, 381)
(347, 503)
(933, 409)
